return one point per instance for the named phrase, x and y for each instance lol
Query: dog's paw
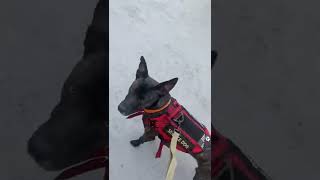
(135, 143)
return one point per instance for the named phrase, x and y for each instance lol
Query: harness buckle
(179, 120)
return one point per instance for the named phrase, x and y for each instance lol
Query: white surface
(174, 37)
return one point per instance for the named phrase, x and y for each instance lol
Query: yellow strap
(173, 160)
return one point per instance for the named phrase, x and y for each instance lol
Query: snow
(175, 39)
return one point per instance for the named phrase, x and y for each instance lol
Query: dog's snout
(121, 108)
(41, 150)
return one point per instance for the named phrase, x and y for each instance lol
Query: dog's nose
(121, 109)
(42, 151)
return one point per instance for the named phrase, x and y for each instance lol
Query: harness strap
(97, 161)
(90, 165)
(173, 160)
(150, 111)
(158, 155)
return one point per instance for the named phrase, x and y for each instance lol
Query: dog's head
(76, 128)
(144, 92)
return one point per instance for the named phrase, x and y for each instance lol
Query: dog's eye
(132, 89)
(72, 90)
(140, 92)
(75, 90)
(140, 95)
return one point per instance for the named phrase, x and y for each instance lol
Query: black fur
(77, 125)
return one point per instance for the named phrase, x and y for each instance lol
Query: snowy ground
(174, 37)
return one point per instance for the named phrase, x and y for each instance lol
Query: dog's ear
(142, 71)
(165, 87)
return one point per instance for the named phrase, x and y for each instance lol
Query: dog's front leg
(148, 135)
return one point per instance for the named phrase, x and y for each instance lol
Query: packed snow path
(175, 39)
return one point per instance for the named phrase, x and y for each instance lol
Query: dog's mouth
(129, 113)
(125, 113)
(137, 113)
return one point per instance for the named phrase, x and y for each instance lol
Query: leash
(173, 149)
(173, 161)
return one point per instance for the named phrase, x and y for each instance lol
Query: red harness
(174, 117)
(97, 161)
(226, 154)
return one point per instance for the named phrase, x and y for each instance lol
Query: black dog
(76, 129)
(147, 93)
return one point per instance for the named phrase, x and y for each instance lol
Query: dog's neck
(162, 101)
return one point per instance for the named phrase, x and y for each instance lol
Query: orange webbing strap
(150, 111)
(173, 160)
